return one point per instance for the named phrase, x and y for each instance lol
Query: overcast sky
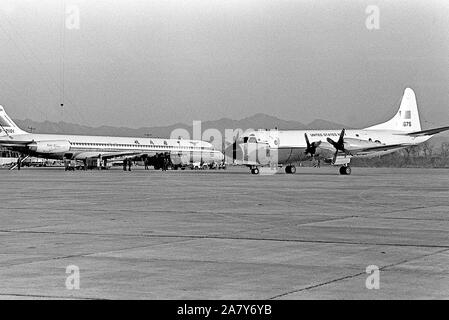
(158, 62)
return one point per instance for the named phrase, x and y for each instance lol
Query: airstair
(14, 166)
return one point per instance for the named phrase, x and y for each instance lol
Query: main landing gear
(255, 170)
(290, 169)
(345, 170)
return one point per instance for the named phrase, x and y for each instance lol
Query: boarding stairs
(14, 166)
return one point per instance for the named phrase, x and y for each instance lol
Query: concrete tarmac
(224, 234)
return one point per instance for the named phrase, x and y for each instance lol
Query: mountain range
(257, 121)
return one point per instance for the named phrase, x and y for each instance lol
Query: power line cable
(49, 79)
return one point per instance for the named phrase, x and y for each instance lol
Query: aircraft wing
(108, 155)
(370, 148)
(383, 147)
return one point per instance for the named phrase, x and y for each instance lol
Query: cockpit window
(252, 140)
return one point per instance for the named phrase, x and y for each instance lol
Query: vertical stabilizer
(7, 126)
(407, 117)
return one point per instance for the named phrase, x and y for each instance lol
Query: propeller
(311, 147)
(339, 145)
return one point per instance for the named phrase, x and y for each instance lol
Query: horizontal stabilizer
(428, 132)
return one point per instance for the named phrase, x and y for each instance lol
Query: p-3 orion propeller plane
(336, 147)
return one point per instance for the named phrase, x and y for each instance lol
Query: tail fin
(407, 117)
(7, 126)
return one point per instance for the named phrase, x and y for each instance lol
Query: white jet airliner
(337, 147)
(79, 147)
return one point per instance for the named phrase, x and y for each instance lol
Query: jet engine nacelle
(180, 158)
(55, 146)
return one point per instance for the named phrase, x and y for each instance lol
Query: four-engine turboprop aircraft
(78, 147)
(337, 147)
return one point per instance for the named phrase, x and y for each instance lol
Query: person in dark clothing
(146, 162)
(125, 163)
(130, 163)
(160, 161)
(19, 162)
(166, 161)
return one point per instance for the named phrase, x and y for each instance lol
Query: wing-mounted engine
(180, 158)
(55, 146)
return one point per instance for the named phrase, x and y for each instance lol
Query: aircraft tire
(255, 170)
(345, 170)
(290, 169)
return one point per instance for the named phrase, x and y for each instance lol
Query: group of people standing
(161, 161)
(127, 163)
